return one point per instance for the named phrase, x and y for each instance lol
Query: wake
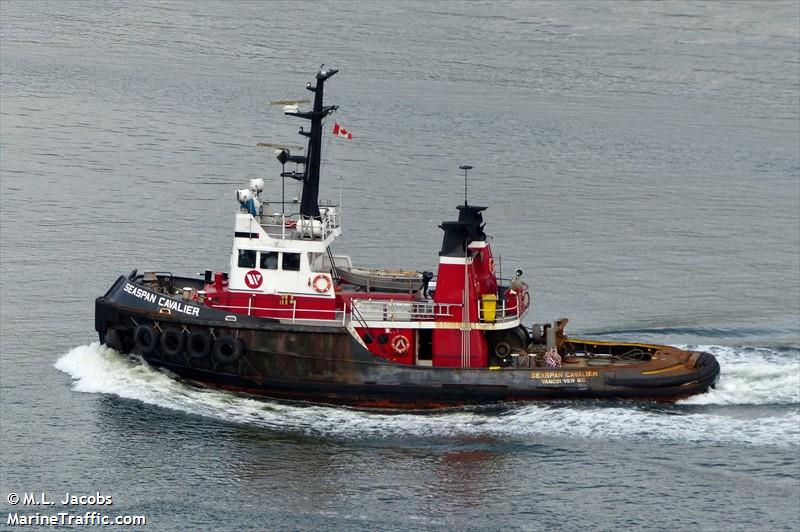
(750, 376)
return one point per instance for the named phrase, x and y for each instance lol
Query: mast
(309, 203)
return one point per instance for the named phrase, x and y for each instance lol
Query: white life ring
(323, 286)
(400, 344)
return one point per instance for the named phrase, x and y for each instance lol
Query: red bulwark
(278, 306)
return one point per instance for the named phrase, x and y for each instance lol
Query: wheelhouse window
(247, 258)
(291, 262)
(269, 260)
(315, 262)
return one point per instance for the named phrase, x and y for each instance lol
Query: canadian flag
(339, 131)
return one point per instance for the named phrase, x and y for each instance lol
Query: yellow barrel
(489, 307)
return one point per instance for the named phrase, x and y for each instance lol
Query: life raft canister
(400, 344)
(145, 339)
(321, 283)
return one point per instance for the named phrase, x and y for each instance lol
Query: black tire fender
(227, 349)
(198, 344)
(112, 339)
(502, 349)
(145, 339)
(172, 341)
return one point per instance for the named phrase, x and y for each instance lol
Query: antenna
(289, 102)
(275, 146)
(466, 355)
(465, 168)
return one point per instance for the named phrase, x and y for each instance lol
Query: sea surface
(640, 161)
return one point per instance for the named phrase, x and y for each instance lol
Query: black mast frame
(309, 203)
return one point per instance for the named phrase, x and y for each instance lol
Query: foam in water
(752, 376)
(99, 369)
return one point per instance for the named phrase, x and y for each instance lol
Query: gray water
(641, 162)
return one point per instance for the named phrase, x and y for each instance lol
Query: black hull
(422, 396)
(326, 364)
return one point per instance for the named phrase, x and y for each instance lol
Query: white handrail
(275, 224)
(403, 311)
(293, 309)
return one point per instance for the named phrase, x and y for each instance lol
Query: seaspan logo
(253, 279)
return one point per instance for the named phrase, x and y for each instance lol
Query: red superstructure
(281, 268)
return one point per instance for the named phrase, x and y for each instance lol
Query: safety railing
(372, 310)
(504, 311)
(292, 313)
(296, 226)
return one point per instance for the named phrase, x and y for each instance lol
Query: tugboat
(292, 320)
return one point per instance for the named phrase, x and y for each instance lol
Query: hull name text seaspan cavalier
(161, 301)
